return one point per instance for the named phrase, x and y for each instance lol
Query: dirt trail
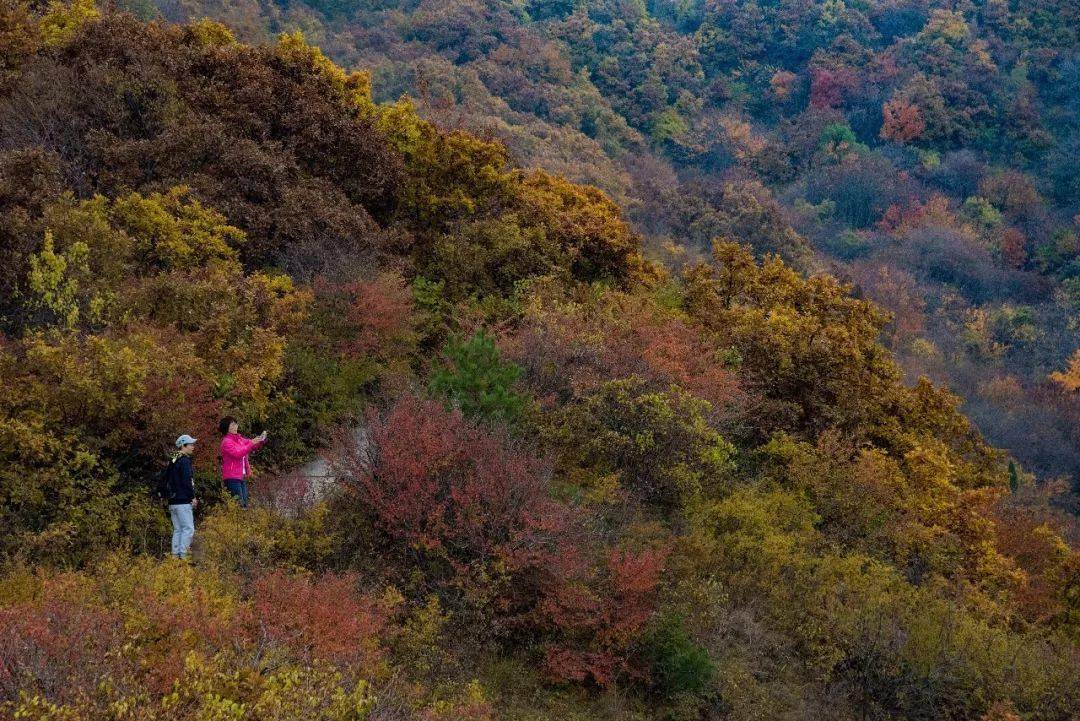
(320, 474)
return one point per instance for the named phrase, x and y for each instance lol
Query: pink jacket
(234, 456)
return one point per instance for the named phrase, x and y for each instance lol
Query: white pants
(183, 528)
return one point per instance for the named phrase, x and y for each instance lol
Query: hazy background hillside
(924, 150)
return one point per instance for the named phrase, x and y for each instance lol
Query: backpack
(161, 487)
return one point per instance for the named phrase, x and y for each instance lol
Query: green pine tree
(478, 380)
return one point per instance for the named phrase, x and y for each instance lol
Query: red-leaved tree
(1013, 247)
(471, 510)
(902, 122)
(460, 499)
(829, 87)
(596, 620)
(374, 318)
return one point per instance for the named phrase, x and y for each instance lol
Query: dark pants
(238, 489)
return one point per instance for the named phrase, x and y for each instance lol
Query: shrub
(659, 443)
(598, 619)
(165, 637)
(478, 381)
(568, 349)
(320, 618)
(57, 646)
(677, 665)
(465, 502)
(256, 540)
(469, 512)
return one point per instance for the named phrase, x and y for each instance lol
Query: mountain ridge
(591, 485)
(783, 125)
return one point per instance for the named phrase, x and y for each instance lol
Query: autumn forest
(669, 360)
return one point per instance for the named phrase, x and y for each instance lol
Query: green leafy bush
(478, 380)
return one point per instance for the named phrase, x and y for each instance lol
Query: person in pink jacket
(235, 468)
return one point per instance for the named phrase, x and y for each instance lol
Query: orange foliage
(317, 618)
(1013, 192)
(1069, 379)
(564, 350)
(902, 122)
(740, 138)
(375, 318)
(783, 83)
(611, 615)
(899, 293)
(1001, 711)
(175, 623)
(1030, 531)
(935, 212)
(55, 646)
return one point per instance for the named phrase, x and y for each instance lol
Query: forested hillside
(921, 149)
(598, 478)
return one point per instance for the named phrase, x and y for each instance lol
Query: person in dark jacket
(182, 501)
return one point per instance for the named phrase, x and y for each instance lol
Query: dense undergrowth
(588, 486)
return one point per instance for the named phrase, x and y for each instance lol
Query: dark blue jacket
(181, 480)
